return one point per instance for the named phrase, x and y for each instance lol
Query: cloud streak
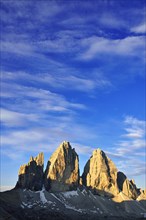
(39, 99)
(132, 147)
(65, 82)
(14, 119)
(140, 29)
(128, 46)
(135, 128)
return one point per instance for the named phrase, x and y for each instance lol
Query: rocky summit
(31, 174)
(60, 193)
(127, 187)
(62, 172)
(100, 174)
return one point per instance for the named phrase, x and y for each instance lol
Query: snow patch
(84, 192)
(56, 198)
(73, 208)
(26, 205)
(70, 194)
(42, 197)
(29, 206)
(67, 206)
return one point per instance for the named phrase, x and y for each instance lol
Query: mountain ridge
(60, 193)
(62, 173)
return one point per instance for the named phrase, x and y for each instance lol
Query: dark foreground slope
(21, 204)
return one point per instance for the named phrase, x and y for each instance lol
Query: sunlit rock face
(31, 174)
(62, 172)
(100, 174)
(127, 187)
(142, 195)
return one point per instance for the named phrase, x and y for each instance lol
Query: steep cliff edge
(100, 174)
(62, 172)
(127, 187)
(31, 174)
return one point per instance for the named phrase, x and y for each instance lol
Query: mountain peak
(62, 172)
(65, 144)
(97, 152)
(100, 173)
(31, 174)
(40, 159)
(31, 159)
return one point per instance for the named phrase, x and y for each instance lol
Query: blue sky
(73, 70)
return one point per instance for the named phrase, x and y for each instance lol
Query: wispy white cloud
(30, 12)
(14, 119)
(39, 99)
(83, 149)
(140, 29)
(131, 147)
(130, 120)
(109, 20)
(129, 46)
(62, 81)
(73, 82)
(20, 48)
(86, 48)
(46, 138)
(125, 146)
(65, 40)
(134, 139)
(36, 123)
(132, 167)
(135, 128)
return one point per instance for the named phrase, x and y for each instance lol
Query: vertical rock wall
(62, 172)
(100, 173)
(31, 175)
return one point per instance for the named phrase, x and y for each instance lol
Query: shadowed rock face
(100, 173)
(62, 172)
(31, 175)
(127, 187)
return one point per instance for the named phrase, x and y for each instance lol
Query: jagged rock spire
(62, 172)
(31, 174)
(100, 173)
(127, 187)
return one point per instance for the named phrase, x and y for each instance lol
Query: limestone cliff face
(62, 172)
(100, 173)
(127, 187)
(31, 174)
(142, 195)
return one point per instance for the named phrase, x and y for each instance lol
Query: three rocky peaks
(62, 174)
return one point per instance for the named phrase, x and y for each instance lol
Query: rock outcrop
(127, 187)
(62, 172)
(142, 195)
(31, 174)
(100, 174)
